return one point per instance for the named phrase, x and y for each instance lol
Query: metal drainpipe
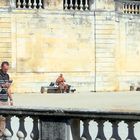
(95, 48)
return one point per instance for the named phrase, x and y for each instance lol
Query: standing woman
(5, 92)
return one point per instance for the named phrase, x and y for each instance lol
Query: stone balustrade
(128, 7)
(29, 4)
(53, 124)
(131, 7)
(76, 5)
(82, 5)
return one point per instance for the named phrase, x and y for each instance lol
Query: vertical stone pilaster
(13, 4)
(75, 129)
(54, 129)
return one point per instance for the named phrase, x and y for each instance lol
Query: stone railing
(82, 5)
(29, 4)
(128, 7)
(58, 124)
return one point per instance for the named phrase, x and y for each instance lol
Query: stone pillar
(54, 129)
(13, 4)
(75, 129)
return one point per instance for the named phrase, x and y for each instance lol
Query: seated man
(60, 81)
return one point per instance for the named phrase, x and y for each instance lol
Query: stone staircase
(5, 37)
(106, 37)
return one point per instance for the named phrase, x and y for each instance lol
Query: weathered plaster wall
(47, 45)
(40, 44)
(128, 52)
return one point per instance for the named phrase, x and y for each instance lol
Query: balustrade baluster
(100, 135)
(124, 8)
(133, 8)
(21, 134)
(86, 133)
(71, 5)
(137, 9)
(24, 3)
(66, 5)
(115, 134)
(18, 4)
(30, 4)
(76, 5)
(86, 5)
(40, 4)
(81, 5)
(128, 9)
(35, 132)
(8, 133)
(34, 4)
(131, 135)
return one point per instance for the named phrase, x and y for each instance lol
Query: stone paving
(109, 101)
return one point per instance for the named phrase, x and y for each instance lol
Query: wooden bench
(54, 89)
(49, 89)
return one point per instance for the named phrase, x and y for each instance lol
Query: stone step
(109, 59)
(5, 44)
(104, 41)
(5, 30)
(106, 36)
(105, 32)
(105, 64)
(105, 55)
(5, 39)
(5, 19)
(105, 50)
(5, 54)
(5, 24)
(102, 69)
(2, 15)
(5, 34)
(5, 50)
(105, 27)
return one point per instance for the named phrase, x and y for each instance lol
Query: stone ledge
(72, 113)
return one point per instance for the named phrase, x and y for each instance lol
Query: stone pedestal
(54, 129)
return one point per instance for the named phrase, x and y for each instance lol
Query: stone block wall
(96, 50)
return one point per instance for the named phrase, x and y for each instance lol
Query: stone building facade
(94, 43)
